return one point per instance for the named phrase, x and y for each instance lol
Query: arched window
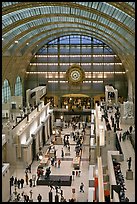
(6, 92)
(18, 87)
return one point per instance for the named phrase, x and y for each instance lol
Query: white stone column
(130, 91)
(40, 135)
(46, 136)
(106, 97)
(27, 97)
(5, 182)
(48, 127)
(116, 96)
(37, 142)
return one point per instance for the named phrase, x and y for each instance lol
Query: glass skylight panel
(4, 4)
(116, 15)
(94, 16)
(111, 11)
(90, 4)
(121, 16)
(104, 8)
(129, 21)
(95, 4)
(131, 4)
(100, 5)
(103, 20)
(82, 3)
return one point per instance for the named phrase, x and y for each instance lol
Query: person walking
(12, 180)
(120, 136)
(19, 182)
(55, 163)
(30, 182)
(55, 153)
(59, 162)
(129, 163)
(62, 153)
(69, 148)
(26, 178)
(39, 198)
(15, 181)
(22, 182)
(27, 198)
(130, 129)
(31, 194)
(29, 168)
(81, 187)
(18, 197)
(52, 161)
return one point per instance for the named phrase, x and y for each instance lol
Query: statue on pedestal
(129, 164)
(128, 109)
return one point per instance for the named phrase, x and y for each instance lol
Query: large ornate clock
(75, 74)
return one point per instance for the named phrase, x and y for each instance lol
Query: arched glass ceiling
(115, 19)
(58, 33)
(45, 21)
(11, 39)
(50, 29)
(100, 8)
(34, 35)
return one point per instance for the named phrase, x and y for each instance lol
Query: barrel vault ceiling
(27, 26)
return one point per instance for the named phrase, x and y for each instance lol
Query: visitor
(27, 198)
(15, 181)
(130, 129)
(59, 162)
(129, 163)
(39, 198)
(29, 168)
(19, 182)
(22, 182)
(55, 163)
(31, 194)
(69, 148)
(62, 153)
(12, 180)
(18, 197)
(26, 178)
(120, 136)
(81, 187)
(52, 161)
(30, 182)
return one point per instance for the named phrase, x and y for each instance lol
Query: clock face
(75, 74)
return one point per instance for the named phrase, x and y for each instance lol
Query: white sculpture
(128, 109)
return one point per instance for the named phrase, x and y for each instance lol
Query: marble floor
(67, 167)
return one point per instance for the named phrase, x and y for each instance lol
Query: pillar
(130, 92)
(106, 96)
(116, 96)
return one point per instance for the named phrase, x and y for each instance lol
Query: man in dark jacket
(39, 198)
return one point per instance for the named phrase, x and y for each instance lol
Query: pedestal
(30, 200)
(129, 175)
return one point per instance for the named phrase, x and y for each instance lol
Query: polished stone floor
(67, 167)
